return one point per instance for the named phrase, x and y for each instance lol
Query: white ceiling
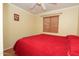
(49, 6)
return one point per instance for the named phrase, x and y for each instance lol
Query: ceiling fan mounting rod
(39, 4)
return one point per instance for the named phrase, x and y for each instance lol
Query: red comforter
(41, 45)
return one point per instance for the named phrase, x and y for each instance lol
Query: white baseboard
(8, 48)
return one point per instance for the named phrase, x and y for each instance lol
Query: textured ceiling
(49, 6)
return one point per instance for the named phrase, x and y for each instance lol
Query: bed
(44, 45)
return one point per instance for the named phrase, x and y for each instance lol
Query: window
(50, 24)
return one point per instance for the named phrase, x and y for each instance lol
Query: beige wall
(39, 22)
(13, 30)
(68, 21)
(78, 21)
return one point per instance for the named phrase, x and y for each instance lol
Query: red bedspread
(73, 45)
(41, 45)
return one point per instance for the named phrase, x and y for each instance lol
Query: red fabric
(41, 45)
(73, 45)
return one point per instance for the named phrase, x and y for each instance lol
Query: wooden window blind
(50, 24)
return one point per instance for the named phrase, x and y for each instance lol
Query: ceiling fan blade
(33, 6)
(43, 6)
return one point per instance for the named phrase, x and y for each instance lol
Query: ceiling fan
(42, 5)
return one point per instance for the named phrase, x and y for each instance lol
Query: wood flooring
(9, 52)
